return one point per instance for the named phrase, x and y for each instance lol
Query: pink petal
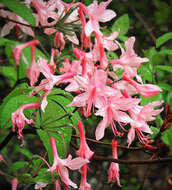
(101, 129)
(76, 163)
(107, 15)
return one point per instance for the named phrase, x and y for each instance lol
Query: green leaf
(122, 24)
(164, 68)
(11, 103)
(25, 178)
(145, 72)
(165, 86)
(45, 177)
(162, 39)
(123, 38)
(167, 137)
(56, 122)
(166, 52)
(112, 55)
(9, 72)
(3, 41)
(21, 10)
(18, 165)
(25, 152)
(155, 131)
(147, 100)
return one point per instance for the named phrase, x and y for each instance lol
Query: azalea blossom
(113, 172)
(95, 90)
(18, 49)
(129, 61)
(60, 165)
(84, 152)
(40, 185)
(112, 110)
(10, 25)
(51, 80)
(146, 90)
(14, 183)
(97, 13)
(1, 157)
(140, 115)
(33, 72)
(18, 118)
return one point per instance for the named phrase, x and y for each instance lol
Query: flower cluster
(91, 75)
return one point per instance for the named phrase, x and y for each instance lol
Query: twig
(37, 170)
(141, 20)
(136, 162)
(11, 134)
(27, 25)
(106, 143)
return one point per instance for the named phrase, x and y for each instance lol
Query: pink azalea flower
(18, 118)
(18, 49)
(146, 90)
(14, 183)
(108, 41)
(84, 185)
(60, 165)
(32, 72)
(85, 40)
(52, 65)
(40, 185)
(113, 172)
(112, 109)
(129, 61)
(59, 41)
(1, 157)
(87, 61)
(84, 152)
(95, 89)
(45, 10)
(102, 53)
(10, 25)
(140, 115)
(50, 81)
(97, 13)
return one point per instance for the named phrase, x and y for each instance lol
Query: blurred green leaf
(21, 10)
(9, 72)
(147, 100)
(164, 68)
(165, 86)
(167, 137)
(45, 177)
(56, 122)
(162, 39)
(155, 131)
(11, 103)
(122, 24)
(25, 152)
(165, 52)
(18, 165)
(145, 72)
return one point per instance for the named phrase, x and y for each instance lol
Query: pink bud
(146, 90)
(19, 48)
(14, 183)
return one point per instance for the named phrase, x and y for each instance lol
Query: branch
(106, 143)
(11, 134)
(141, 20)
(138, 162)
(27, 25)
